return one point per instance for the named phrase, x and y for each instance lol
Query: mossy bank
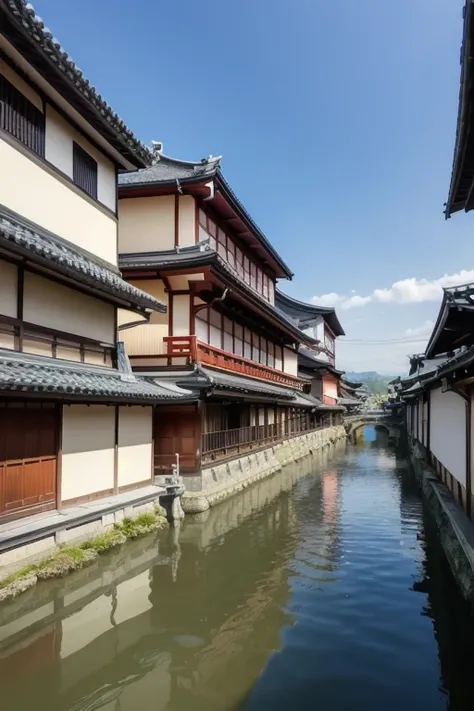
(67, 559)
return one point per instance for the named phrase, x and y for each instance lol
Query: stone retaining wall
(222, 480)
(455, 529)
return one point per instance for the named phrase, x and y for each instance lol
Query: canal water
(321, 588)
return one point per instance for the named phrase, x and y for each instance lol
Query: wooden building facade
(186, 239)
(75, 423)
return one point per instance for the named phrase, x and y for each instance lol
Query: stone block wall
(224, 479)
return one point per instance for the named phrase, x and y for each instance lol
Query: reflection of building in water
(131, 632)
(453, 623)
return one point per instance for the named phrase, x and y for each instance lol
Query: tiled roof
(453, 327)
(80, 92)
(227, 381)
(71, 261)
(202, 254)
(22, 373)
(306, 400)
(348, 401)
(165, 169)
(305, 314)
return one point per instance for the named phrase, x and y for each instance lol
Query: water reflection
(315, 588)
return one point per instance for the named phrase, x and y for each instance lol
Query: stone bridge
(385, 420)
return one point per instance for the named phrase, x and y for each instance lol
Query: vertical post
(59, 455)
(19, 307)
(176, 220)
(116, 446)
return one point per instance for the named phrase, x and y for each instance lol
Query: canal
(323, 587)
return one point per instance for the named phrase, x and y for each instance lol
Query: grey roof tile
(237, 382)
(305, 314)
(71, 261)
(22, 373)
(103, 117)
(165, 170)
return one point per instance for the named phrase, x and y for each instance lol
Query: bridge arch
(354, 423)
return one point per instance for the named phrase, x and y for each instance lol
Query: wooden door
(176, 431)
(28, 459)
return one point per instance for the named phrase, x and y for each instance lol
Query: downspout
(467, 401)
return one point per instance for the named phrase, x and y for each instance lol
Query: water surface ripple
(323, 588)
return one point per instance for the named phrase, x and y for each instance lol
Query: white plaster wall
(59, 151)
(146, 224)
(290, 362)
(448, 432)
(186, 220)
(47, 303)
(135, 445)
(8, 288)
(181, 306)
(88, 450)
(39, 196)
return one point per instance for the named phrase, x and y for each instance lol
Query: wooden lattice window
(21, 118)
(84, 170)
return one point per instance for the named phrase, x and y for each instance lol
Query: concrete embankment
(456, 531)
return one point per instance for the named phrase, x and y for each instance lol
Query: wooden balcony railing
(192, 350)
(216, 445)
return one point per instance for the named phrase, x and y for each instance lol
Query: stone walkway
(32, 528)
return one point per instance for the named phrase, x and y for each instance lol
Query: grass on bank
(67, 559)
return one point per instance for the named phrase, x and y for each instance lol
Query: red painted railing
(192, 350)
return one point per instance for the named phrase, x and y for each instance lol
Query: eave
(154, 264)
(305, 312)
(28, 35)
(228, 209)
(461, 189)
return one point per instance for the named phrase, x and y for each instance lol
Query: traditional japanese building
(75, 423)
(186, 239)
(316, 361)
(438, 395)
(350, 395)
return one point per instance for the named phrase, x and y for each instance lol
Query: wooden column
(116, 448)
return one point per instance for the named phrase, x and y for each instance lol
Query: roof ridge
(25, 15)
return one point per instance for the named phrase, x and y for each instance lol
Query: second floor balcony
(148, 345)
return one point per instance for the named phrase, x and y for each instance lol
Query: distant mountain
(376, 383)
(367, 376)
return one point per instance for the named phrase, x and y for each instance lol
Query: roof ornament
(157, 151)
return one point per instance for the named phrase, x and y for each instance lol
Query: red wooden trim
(88, 497)
(59, 455)
(192, 315)
(176, 220)
(240, 364)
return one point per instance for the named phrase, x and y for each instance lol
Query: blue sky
(336, 122)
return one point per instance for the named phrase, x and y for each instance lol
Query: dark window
(84, 170)
(20, 117)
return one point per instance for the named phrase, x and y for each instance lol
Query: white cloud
(423, 330)
(405, 291)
